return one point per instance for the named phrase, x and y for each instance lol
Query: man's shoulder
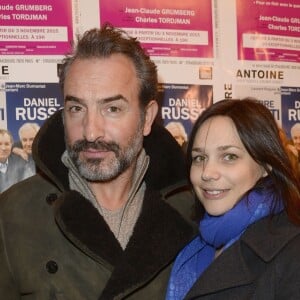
(30, 192)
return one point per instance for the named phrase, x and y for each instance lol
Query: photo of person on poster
(23, 148)
(12, 166)
(291, 150)
(295, 134)
(178, 132)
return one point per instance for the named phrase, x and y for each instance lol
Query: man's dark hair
(106, 41)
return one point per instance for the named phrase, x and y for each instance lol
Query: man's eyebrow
(104, 100)
(113, 98)
(72, 98)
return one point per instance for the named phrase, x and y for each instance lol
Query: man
(101, 220)
(27, 133)
(12, 167)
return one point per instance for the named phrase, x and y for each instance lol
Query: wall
(205, 51)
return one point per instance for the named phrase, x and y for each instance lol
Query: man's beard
(105, 169)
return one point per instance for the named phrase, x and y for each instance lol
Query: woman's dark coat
(264, 264)
(55, 245)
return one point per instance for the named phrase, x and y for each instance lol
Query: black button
(51, 198)
(51, 266)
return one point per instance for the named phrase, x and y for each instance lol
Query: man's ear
(150, 114)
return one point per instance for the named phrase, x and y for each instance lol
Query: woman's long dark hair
(259, 134)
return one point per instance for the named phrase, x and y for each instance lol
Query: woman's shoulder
(270, 236)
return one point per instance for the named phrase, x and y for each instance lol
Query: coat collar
(260, 244)
(160, 232)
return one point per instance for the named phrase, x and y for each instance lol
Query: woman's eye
(230, 156)
(198, 158)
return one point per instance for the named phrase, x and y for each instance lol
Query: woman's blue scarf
(216, 232)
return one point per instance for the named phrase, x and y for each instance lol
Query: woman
(249, 242)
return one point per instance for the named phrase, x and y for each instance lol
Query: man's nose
(94, 124)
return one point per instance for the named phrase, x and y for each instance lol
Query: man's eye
(74, 109)
(114, 111)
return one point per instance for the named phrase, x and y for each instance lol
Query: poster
(271, 32)
(165, 28)
(230, 49)
(184, 103)
(35, 27)
(30, 102)
(290, 97)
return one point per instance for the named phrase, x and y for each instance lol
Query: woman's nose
(210, 171)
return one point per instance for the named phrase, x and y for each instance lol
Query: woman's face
(222, 170)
